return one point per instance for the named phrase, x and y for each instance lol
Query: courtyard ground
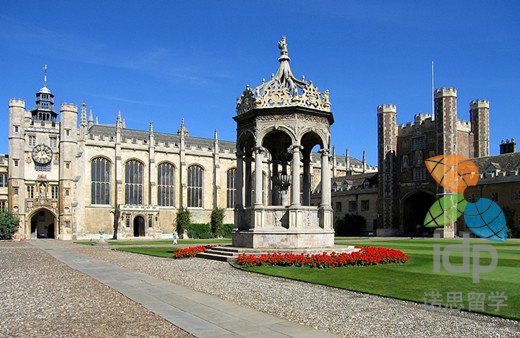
(43, 297)
(335, 310)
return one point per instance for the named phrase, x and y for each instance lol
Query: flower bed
(191, 251)
(364, 257)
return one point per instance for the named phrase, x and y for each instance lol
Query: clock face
(42, 154)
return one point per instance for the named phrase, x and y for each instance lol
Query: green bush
(350, 225)
(183, 221)
(199, 230)
(217, 218)
(227, 230)
(8, 224)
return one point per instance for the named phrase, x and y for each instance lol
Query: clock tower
(36, 189)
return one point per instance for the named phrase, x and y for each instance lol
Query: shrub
(199, 230)
(8, 224)
(350, 225)
(217, 219)
(183, 221)
(227, 230)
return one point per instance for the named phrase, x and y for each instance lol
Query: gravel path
(42, 297)
(339, 311)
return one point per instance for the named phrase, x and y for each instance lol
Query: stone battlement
(474, 104)
(68, 107)
(444, 92)
(463, 125)
(17, 103)
(387, 108)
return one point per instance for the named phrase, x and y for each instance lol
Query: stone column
(275, 191)
(295, 184)
(306, 181)
(325, 178)
(247, 192)
(258, 176)
(239, 181)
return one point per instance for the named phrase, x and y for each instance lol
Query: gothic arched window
(100, 181)
(134, 182)
(165, 185)
(195, 181)
(231, 189)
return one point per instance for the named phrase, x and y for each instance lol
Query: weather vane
(45, 75)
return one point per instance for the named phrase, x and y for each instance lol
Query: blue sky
(164, 60)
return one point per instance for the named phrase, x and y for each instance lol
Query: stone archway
(43, 224)
(139, 226)
(413, 211)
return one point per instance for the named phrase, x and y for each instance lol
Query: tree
(8, 224)
(183, 220)
(217, 220)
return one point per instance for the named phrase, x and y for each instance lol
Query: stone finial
(45, 75)
(347, 159)
(97, 119)
(123, 123)
(215, 135)
(151, 127)
(118, 120)
(83, 118)
(182, 131)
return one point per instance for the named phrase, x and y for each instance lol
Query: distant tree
(513, 227)
(183, 221)
(217, 221)
(8, 224)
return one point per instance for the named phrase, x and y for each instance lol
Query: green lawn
(169, 241)
(412, 280)
(158, 252)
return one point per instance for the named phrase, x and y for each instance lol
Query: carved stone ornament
(283, 90)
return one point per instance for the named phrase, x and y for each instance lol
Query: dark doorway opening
(414, 211)
(139, 227)
(43, 224)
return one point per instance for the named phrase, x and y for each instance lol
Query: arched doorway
(139, 226)
(413, 211)
(43, 224)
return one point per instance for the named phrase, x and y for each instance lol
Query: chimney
(508, 146)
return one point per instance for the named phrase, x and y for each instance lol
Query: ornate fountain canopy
(283, 90)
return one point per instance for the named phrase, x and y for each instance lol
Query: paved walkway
(200, 314)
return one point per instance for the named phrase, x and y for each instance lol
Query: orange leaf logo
(454, 172)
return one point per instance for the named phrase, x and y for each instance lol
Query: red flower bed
(364, 257)
(191, 251)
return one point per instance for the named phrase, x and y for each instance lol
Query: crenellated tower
(479, 116)
(387, 148)
(446, 120)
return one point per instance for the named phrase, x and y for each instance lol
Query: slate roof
(504, 162)
(110, 130)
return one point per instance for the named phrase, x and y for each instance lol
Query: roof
(504, 162)
(108, 130)
(355, 180)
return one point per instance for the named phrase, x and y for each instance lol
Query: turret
(387, 147)
(479, 116)
(446, 120)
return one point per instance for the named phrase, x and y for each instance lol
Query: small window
(494, 196)
(54, 192)
(15, 162)
(67, 224)
(67, 192)
(150, 221)
(30, 191)
(67, 165)
(418, 143)
(365, 205)
(3, 180)
(516, 195)
(15, 190)
(404, 164)
(338, 206)
(16, 128)
(32, 141)
(352, 206)
(53, 142)
(127, 221)
(67, 132)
